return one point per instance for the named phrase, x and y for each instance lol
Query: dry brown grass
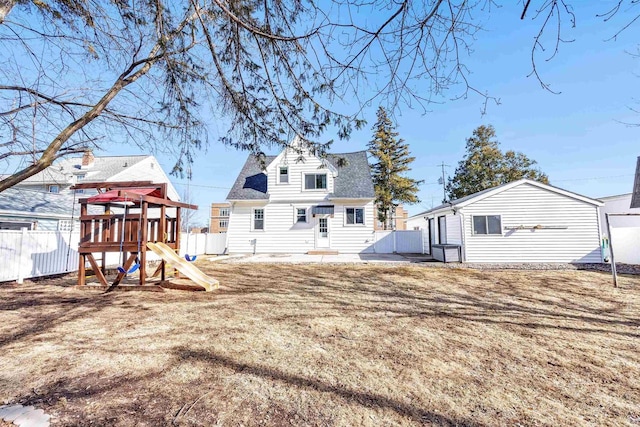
(330, 345)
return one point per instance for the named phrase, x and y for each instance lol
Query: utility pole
(443, 182)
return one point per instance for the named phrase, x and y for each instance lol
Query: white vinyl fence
(626, 244)
(203, 243)
(25, 254)
(400, 241)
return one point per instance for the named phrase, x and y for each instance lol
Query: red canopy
(113, 195)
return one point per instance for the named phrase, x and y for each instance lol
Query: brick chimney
(87, 159)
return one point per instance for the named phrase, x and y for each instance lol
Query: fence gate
(399, 241)
(216, 243)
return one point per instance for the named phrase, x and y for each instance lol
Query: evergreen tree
(486, 166)
(391, 161)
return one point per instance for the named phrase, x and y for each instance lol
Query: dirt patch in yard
(329, 345)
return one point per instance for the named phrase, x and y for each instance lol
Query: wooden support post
(177, 231)
(126, 266)
(82, 280)
(162, 229)
(143, 244)
(96, 270)
(613, 259)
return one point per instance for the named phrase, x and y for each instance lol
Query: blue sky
(576, 136)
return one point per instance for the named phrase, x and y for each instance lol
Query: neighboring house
(36, 210)
(301, 203)
(398, 220)
(620, 204)
(219, 220)
(522, 221)
(59, 177)
(625, 230)
(635, 199)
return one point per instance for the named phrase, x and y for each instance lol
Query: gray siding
(528, 205)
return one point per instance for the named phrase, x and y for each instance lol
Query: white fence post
(20, 266)
(395, 243)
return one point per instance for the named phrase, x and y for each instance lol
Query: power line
(592, 178)
(203, 186)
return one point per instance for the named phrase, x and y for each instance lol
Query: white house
(635, 199)
(625, 230)
(60, 176)
(45, 201)
(522, 221)
(300, 203)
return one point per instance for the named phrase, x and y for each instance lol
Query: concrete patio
(328, 259)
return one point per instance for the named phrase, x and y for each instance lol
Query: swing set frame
(127, 233)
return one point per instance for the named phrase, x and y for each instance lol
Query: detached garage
(522, 221)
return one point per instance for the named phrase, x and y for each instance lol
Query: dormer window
(283, 175)
(317, 181)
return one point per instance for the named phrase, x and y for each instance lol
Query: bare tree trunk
(5, 8)
(51, 152)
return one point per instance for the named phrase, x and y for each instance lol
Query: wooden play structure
(135, 216)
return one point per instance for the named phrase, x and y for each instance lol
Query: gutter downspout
(462, 237)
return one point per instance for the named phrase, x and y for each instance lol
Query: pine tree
(486, 166)
(391, 161)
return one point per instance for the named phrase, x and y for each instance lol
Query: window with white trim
(301, 215)
(224, 211)
(224, 223)
(315, 181)
(283, 175)
(54, 188)
(487, 224)
(354, 216)
(258, 219)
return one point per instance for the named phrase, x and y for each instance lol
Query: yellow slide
(183, 266)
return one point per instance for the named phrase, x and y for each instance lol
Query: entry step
(322, 252)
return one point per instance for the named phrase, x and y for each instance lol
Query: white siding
(528, 205)
(419, 222)
(147, 170)
(294, 189)
(283, 235)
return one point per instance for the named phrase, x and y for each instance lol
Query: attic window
(315, 181)
(54, 188)
(284, 175)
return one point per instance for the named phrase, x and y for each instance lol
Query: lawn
(330, 346)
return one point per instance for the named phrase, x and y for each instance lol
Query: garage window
(487, 224)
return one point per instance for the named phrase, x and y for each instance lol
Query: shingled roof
(103, 169)
(38, 203)
(353, 180)
(635, 198)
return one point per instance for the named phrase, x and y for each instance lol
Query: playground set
(149, 220)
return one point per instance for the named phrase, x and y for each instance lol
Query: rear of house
(297, 202)
(523, 221)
